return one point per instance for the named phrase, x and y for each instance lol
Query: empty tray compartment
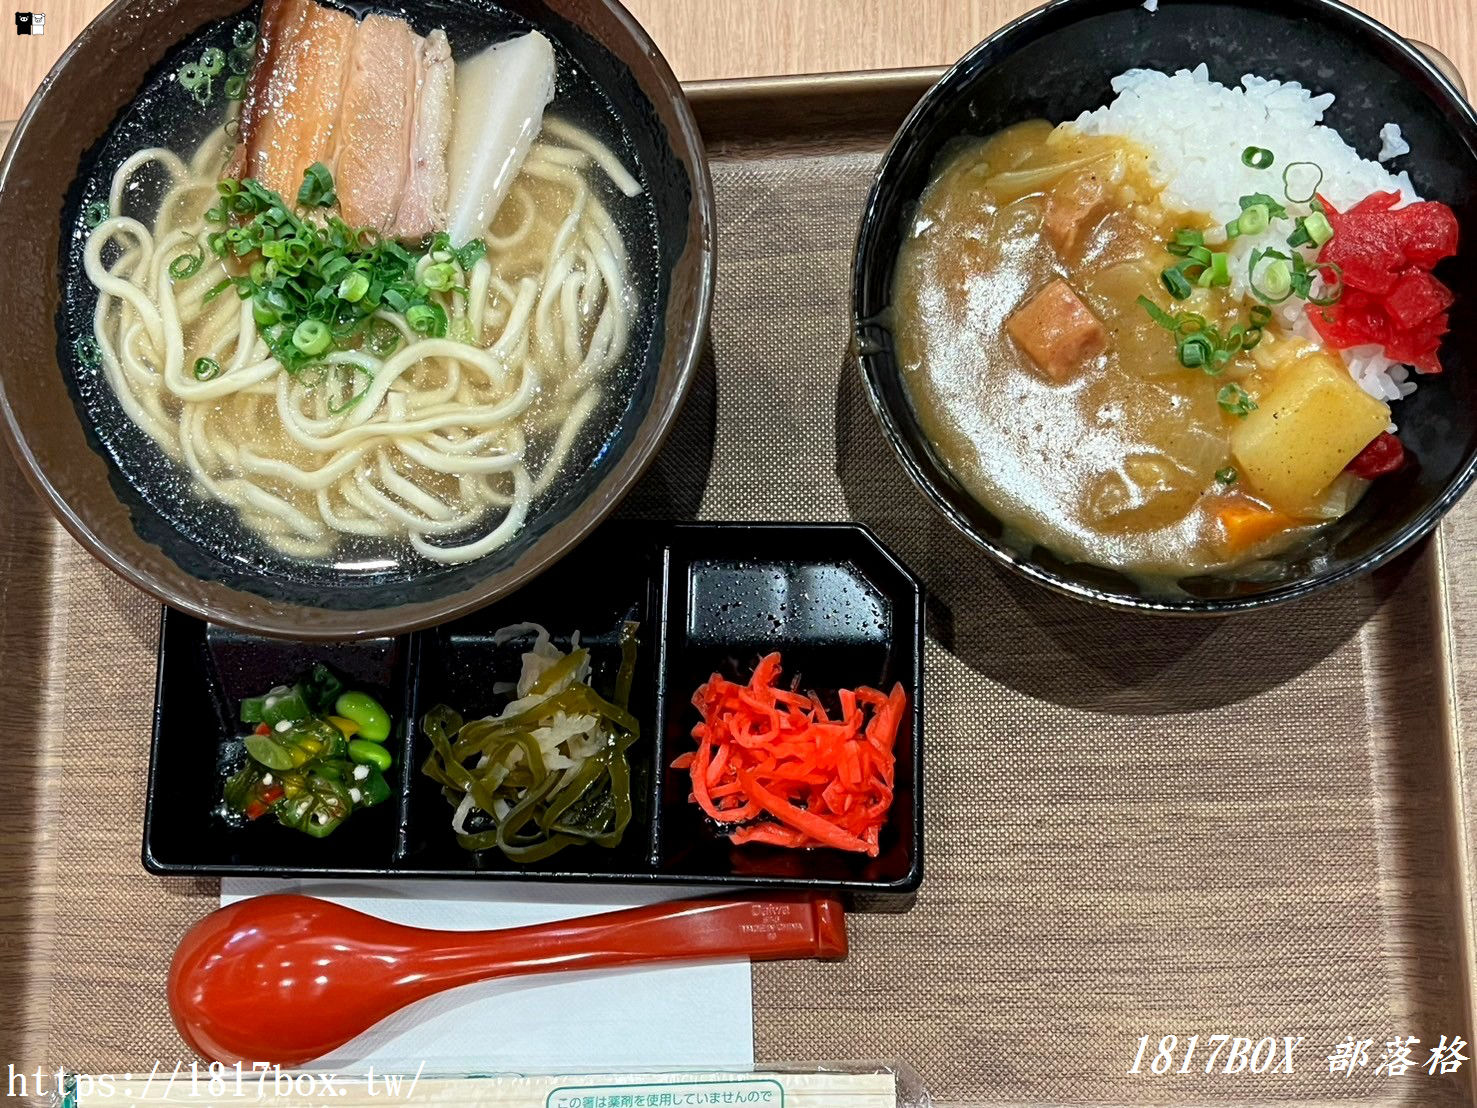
(843, 612)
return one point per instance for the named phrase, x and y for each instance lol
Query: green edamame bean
(368, 753)
(365, 710)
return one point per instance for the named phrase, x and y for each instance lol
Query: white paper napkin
(670, 1017)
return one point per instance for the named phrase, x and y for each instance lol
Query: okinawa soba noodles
(435, 424)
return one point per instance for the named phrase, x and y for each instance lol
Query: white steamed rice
(1195, 131)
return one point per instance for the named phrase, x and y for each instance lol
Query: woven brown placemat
(1134, 827)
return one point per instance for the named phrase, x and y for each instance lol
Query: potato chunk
(1057, 331)
(1307, 428)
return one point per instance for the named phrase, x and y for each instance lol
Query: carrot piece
(1244, 524)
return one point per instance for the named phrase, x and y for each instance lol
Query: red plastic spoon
(287, 979)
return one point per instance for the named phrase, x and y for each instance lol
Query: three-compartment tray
(706, 597)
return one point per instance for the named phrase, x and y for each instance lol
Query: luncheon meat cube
(1057, 330)
(1074, 207)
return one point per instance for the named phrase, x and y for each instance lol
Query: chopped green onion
(1196, 351)
(88, 352)
(440, 277)
(1257, 157)
(354, 287)
(212, 61)
(1199, 255)
(427, 319)
(1319, 229)
(1236, 400)
(1312, 191)
(235, 90)
(217, 290)
(1233, 230)
(186, 266)
(1198, 343)
(96, 214)
(1227, 476)
(334, 277)
(244, 36)
(1175, 281)
(1335, 284)
(191, 76)
(1274, 284)
(1157, 314)
(206, 369)
(1254, 220)
(1273, 206)
(1261, 315)
(317, 188)
(340, 409)
(240, 62)
(1220, 270)
(312, 337)
(1251, 338)
(1277, 279)
(1217, 274)
(1300, 236)
(1184, 242)
(469, 255)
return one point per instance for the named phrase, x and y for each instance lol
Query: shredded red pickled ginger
(773, 763)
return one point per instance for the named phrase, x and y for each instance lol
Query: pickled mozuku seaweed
(550, 771)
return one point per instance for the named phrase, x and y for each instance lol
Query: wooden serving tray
(1255, 827)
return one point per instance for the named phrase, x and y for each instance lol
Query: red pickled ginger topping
(774, 767)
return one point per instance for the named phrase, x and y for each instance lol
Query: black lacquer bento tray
(709, 597)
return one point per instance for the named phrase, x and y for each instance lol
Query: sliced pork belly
(371, 100)
(423, 203)
(291, 110)
(377, 117)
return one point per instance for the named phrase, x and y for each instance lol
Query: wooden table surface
(747, 38)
